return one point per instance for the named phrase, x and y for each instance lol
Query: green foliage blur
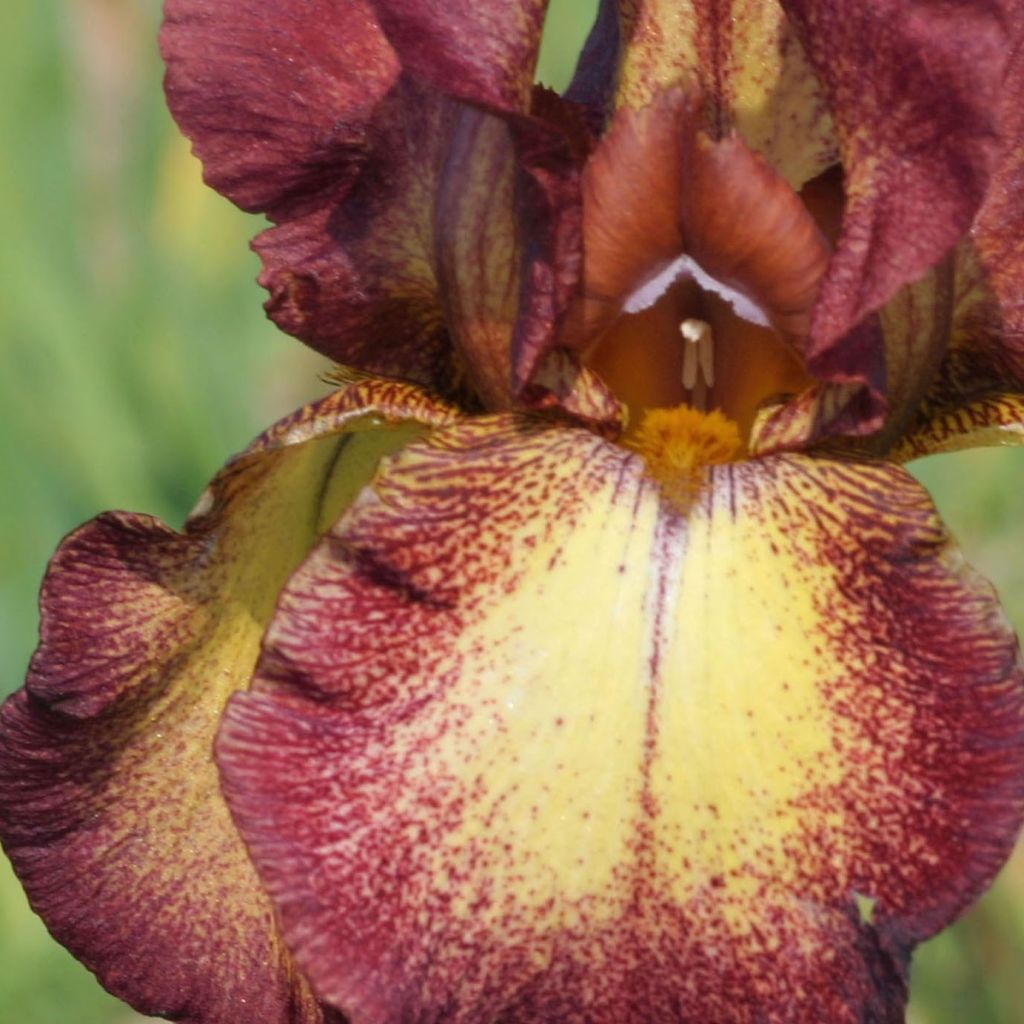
(136, 359)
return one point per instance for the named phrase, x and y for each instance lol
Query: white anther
(698, 353)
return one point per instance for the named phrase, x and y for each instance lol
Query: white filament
(698, 354)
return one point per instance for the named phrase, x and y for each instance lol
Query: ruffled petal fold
(975, 393)
(914, 94)
(110, 804)
(426, 223)
(527, 743)
(275, 99)
(353, 272)
(913, 330)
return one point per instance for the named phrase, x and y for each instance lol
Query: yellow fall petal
(610, 761)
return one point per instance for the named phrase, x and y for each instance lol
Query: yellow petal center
(679, 444)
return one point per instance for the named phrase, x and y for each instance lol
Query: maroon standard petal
(977, 394)
(451, 258)
(913, 89)
(275, 97)
(426, 223)
(352, 271)
(483, 51)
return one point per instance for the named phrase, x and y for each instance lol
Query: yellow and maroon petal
(110, 804)
(527, 742)
(989, 420)
(746, 60)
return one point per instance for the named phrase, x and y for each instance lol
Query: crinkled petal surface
(110, 805)
(277, 97)
(528, 743)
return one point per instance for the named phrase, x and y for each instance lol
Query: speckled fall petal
(991, 420)
(110, 805)
(528, 743)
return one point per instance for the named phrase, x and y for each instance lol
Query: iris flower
(588, 655)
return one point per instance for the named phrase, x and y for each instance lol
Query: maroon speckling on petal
(527, 743)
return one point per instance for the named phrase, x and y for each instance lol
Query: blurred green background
(136, 358)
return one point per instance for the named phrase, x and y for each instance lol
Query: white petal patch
(684, 266)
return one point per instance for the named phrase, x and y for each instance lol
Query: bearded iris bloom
(588, 655)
